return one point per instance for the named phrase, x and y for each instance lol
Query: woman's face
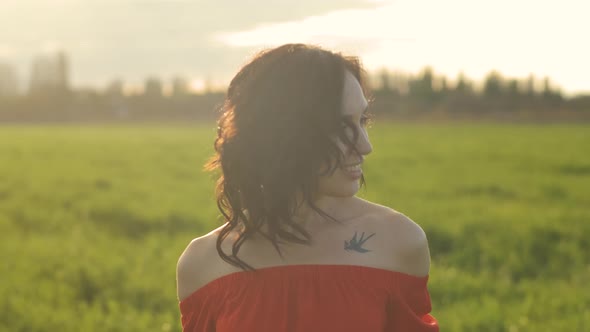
(345, 181)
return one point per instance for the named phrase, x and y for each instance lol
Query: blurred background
(107, 114)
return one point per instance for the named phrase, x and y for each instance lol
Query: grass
(93, 219)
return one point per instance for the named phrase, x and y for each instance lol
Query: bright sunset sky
(132, 39)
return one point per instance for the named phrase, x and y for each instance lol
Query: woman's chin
(344, 190)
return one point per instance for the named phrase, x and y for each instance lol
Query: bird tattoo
(357, 244)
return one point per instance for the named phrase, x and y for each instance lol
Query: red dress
(310, 298)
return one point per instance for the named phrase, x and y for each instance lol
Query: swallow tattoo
(357, 244)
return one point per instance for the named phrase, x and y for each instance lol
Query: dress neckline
(316, 267)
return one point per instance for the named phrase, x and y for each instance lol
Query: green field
(93, 219)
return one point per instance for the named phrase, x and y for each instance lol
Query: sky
(210, 40)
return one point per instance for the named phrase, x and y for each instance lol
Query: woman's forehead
(353, 98)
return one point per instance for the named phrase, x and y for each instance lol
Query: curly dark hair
(276, 137)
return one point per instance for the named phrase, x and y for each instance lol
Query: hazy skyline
(201, 40)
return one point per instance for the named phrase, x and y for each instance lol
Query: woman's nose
(363, 145)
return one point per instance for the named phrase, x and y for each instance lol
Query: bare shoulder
(197, 264)
(403, 241)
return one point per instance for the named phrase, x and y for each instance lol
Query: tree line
(395, 94)
(428, 92)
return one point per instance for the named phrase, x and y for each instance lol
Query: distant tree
(421, 88)
(441, 90)
(548, 92)
(444, 86)
(115, 88)
(530, 86)
(63, 71)
(493, 85)
(179, 87)
(579, 103)
(400, 83)
(513, 95)
(385, 80)
(153, 88)
(512, 88)
(49, 76)
(427, 80)
(8, 80)
(552, 99)
(463, 86)
(460, 97)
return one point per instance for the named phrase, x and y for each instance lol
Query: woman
(298, 250)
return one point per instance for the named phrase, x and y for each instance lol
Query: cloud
(452, 36)
(134, 39)
(338, 27)
(210, 39)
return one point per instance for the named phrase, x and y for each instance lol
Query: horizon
(201, 86)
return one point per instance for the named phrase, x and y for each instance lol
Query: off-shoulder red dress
(310, 298)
